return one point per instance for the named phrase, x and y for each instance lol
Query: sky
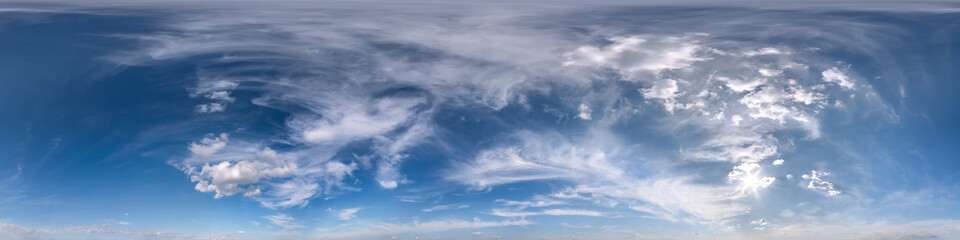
(484, 120)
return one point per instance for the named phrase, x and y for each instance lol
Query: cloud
(761, 224)
(778, 162)
(210, 108)
(208, 145)
(762, 51)
(536, 201)
(344, 214)
(276, 180)
(283, 221)
(445, 207)
(637, 57)
(818, 183)
(384, 229)
(16, 229)
(550, 212)
(218, 92)
(590, 167)
(834, 75)
(225, 178)
(584, 112)
(665, 89)
(379, 86)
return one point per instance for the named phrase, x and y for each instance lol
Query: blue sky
(323, 120)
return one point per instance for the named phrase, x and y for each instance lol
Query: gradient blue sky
(381, 120)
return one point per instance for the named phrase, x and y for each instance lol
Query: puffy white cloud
(208, 145)
(584, 112)
(217, 91)
(818, 183)
(276, 180)
(778, 162)
(637, 56)
(226, 178)
(283, 221)
(748, 175)
(222, 96)
(761, 224)
(210, 108)
(835, 75)
(496, 65)
(664, 89)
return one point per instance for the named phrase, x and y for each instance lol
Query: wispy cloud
(283, 221)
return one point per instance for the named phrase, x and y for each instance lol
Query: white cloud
(749, 178)
(283, 221)
(762, 51)
(665, 89)
(16, 229)
(550, 212)
(226, 178)
(536, 201)
(584, 112)
(766, 72)
(222, 96)
(210, 108)
(344, 214)
(360, 120)
(817, 182)
(742, 85)
(778, 162)
(496, 64)
(636, 56)
(736, 120)
(276, 180)
(208, 145)
(445, 207)
(761, 224)
(217, 91)
(590, 167)
(834, 75)
(385, 229)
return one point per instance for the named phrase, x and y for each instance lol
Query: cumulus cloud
(584, 112)
(778, 162)
(208, 145)
(760, 224)
(225, 178)
(218, 91)
(834, 75)
(734, 104)
(817, 182)
(274, 179)
(638, 56)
